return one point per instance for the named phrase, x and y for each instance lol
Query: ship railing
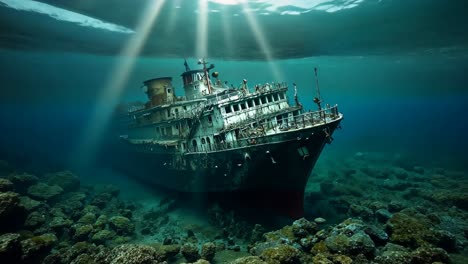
(249, 136)
(240, 93)
(135, 108)
(265, 88)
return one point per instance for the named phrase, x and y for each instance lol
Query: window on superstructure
(243, 106)
(169, 90)
(256, 101)
(281, 96)
(275, 97)
(279, 120)
(228, 109)
(250, 103)
(235, 107)
(168, 112)
(210, 119)
(263, 99)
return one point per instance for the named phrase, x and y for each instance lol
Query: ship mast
(317, 99)
(205, 71)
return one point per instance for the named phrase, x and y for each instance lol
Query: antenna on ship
(205, 71)
(187, 68)
(317, 99)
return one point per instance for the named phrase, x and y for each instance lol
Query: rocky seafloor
(378, 209)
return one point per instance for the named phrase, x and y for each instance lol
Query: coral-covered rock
(42, 191)
(320, 220)
(383, 215)
(208, 251)
(29, 204)
(23, 181)
(249, 260)
(395, 206)
(321, 259)
(302, 228)
(84, 259)
(103, 236)
(82, 232)
(257, 233)
(459, 199)
(379, 236)
(338, 243)
(409, 231)
(361, 211)
(283, 254)
(37, 247)
(121, 225)
(350, 238)
(5, 185)
(80, 252)
(120, 240)
(424, 255)
(166, 251)
(34, 220)
(101, 222)
(87, 219)
(190, 252)
(65, 179)
(341, 259)
(10, 248)
(11, 212)
(133, 254)
(102, 200)
(393, 254)
(91, 209)
(284, 234)
(58, 223)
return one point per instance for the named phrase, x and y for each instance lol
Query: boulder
(283, 254)
(65, 179)
(190, 252)
(11, 212)
(10, 248)
(5, 185)
(121, 225)
(37, 247)
(42, 191)
(23, 181)
(133, 254)
(208, 251)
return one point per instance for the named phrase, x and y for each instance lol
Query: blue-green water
(411, 104)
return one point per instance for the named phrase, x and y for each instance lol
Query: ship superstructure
(218, 138)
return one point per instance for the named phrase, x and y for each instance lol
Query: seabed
(364, 208)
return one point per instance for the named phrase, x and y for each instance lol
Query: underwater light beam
(173, 16)
(261, 40)
(112, 91)
(202, 30)
(227, 30)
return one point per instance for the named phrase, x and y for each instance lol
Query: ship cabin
(212, 116)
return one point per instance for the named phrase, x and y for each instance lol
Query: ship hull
(270, 175)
